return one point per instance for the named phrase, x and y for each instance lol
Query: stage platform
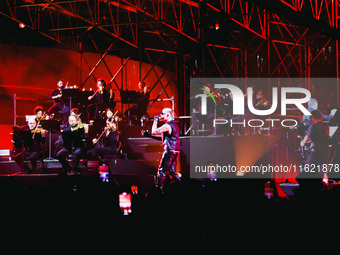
(137, 166)
(141, 155)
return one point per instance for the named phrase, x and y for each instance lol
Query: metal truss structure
(195, 38)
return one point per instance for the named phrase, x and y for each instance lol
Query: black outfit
(77, 145)
(58, 105)
(319, 136)
(307, 120)
(100, 103)
(139, 108)
(109, 147)
(311, 180)
(336, 119)
(198, 118)
(172, 148)
(32, 153)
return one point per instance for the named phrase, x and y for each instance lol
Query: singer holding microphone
(171, 146)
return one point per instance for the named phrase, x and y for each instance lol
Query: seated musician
(59, 106)
(100, 101)
(109, 113)
(38, 111)
(75, 112)
(139, 109)
(77, 149)
(110, 140)
(260, 102)
(33, 153)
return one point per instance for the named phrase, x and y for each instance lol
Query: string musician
(58, 104)
(261, 103)
(34, 152)
(110, 141)
(38, 111)
(73, 142)
(75, 112)
(100, 101)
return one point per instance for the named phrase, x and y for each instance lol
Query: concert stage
(137, 165)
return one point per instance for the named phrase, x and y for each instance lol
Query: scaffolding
(193, 38)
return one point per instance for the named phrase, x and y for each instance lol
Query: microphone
(146, 133)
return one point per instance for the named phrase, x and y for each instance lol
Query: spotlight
(22, 25)
(217, 25)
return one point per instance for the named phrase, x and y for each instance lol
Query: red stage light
(22, 25)
(217, 26)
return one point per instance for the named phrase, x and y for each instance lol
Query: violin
(79, 126)
(43, 117)
(38, 131)
(110, 128)
(101, 91)
(107, 130)
(37, 127)
(263, 102)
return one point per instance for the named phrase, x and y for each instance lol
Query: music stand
(22, 139)
(128, 96)
(70, 93)
(72, 139)
(50, 125)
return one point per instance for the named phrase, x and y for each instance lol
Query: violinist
(75, 112)
(100, 101)
(109, 113)
(110, 139)
(260, 102)
(75, 147)
(58, 104)
(38, 111)
(33, 153)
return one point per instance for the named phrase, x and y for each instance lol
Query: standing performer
(100, 101)
(318, 133)
(171, 146)
(59, 106)
(77, 147)
(313, 105)
(310, 179)
(33, 153)
(141, 106)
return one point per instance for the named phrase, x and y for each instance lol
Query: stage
(138, 162)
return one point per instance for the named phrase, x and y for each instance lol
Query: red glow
(22, 25)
